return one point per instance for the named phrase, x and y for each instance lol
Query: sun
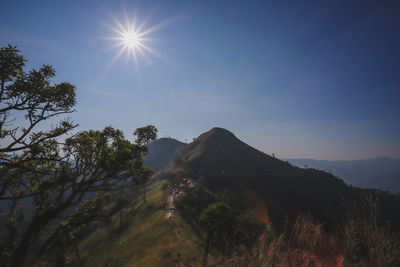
(131, 39)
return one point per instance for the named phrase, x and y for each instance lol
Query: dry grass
(367, 242)
(306, 244)
(363, 242)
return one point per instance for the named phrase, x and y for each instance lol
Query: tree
(61, 182)
(220, 225)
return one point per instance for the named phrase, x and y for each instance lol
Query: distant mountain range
(380, 173)
(220, 161)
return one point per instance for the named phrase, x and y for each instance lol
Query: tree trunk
(206, 252)
(27, 239)
(37, 223)
(77, 254)
(120, 218)
(144, 195)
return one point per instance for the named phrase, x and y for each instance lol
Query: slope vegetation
(149, 240)
(220, 160)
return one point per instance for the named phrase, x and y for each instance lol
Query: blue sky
(315, 79)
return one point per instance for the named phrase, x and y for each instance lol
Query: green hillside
(150, 240)
(220, 161)
(223, 161)
(254, 185)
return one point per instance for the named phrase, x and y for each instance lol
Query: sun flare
(134, 39)
(131, 39)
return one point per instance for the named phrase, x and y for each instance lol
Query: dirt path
(170, 206)
(172, 197)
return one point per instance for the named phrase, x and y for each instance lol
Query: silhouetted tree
(51, 177)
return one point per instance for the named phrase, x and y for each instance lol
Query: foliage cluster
(50, 184)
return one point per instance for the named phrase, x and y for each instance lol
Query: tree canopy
(50, 181)
(220, 225)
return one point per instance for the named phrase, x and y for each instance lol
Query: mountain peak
(166, 140)
(216, 132)
(161, 152)
(219, 129)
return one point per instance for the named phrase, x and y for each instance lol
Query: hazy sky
(316, 79)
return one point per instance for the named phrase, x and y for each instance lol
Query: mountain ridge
(382, 173)
(222, 160)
